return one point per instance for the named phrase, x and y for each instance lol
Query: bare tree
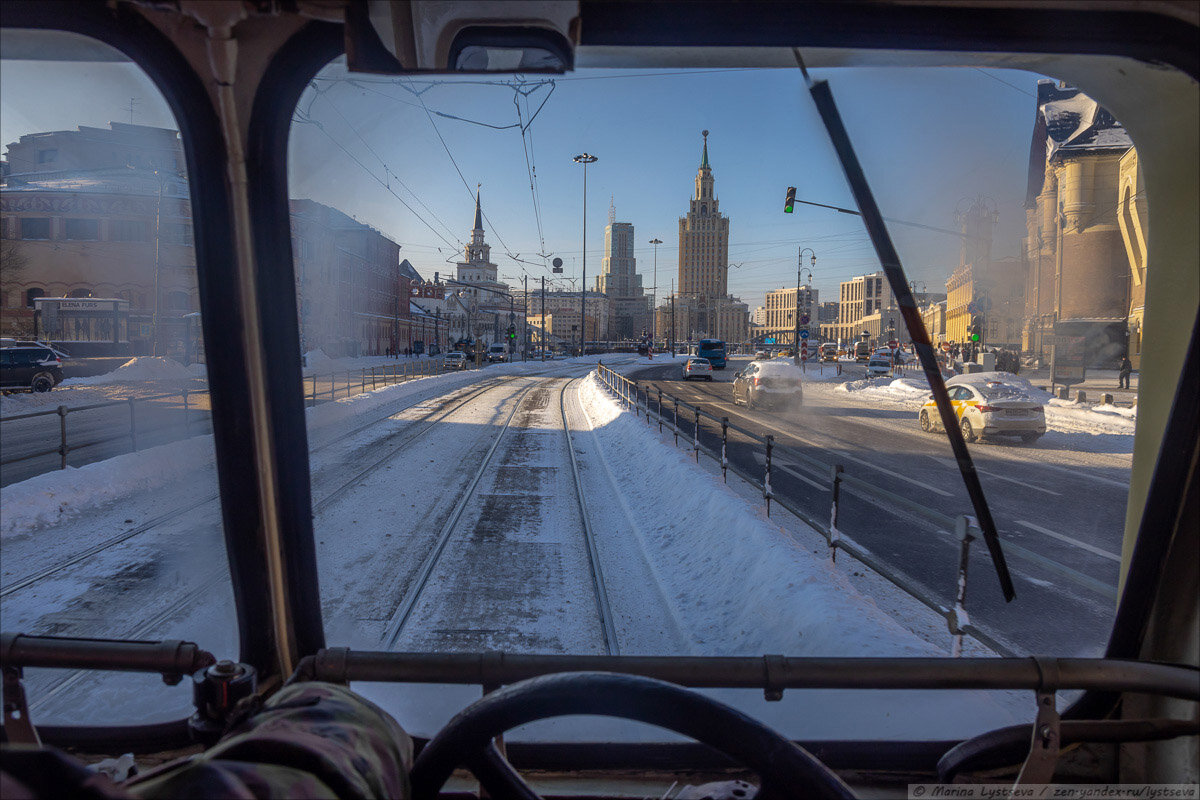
(13, 263)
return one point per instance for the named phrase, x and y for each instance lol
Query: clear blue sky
(929, 140)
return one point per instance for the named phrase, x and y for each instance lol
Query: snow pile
(316, 361)
(1064, 415)
(136, 370)
(745, 586)
(53, 497)
(905, 392)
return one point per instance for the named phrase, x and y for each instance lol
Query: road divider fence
(667, 408)
(146, 425)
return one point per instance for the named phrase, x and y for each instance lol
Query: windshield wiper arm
(889, 259)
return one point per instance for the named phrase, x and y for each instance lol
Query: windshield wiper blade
(889, 259)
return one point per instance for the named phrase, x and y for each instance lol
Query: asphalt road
(1070, 517)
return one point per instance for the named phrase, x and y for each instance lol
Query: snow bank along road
(450, 515)
(1064, 506)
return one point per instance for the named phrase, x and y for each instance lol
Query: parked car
(697, 368)
(497, 352)
(33, 367)
(990, 404)
(768, 384)
(829, 351)
(879, 365)
(455, 360)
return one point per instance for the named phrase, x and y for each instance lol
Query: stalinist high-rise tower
(704, 240)
(702, 307)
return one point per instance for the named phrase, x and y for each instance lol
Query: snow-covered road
(689, 566)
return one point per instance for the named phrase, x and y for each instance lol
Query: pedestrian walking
(1123, 375)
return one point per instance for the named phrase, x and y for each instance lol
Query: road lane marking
(1069, 540)
(846, 456)
(949, 462)
(788, 469)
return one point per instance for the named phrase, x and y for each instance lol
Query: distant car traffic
(990, 404)
(829, 351)
(497, 352)
(862, 352)
(697, 368)
(33, 367)
(456, 360)
(761, 355)
(768, 384)
(879, 365)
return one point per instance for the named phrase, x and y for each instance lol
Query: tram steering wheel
(786, 769)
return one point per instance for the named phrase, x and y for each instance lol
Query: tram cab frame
(232, 73)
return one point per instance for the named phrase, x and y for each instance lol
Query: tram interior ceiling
(280, 705)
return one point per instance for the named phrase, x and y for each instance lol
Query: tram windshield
(111, 523)
(453, 525)
(497, 282)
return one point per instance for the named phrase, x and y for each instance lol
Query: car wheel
(1030, 438)
(42, 382)
(710, 378)
(926, 425)
(967, 431)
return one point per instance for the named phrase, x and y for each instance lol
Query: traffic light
(512, 332)
(975, 330)
(790, 202)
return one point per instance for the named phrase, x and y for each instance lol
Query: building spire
(612, 210)
(478, 210)
(704, 157)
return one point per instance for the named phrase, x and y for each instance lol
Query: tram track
(163, 519)
(411, 601)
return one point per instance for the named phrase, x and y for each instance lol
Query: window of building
(32, 294)
(129, 230)
(82, 229)
(178, 301)
(47, 156)
(35, 228)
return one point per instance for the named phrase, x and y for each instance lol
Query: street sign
(803, 334)
(892, 343)
(804, 319)
(769, 340)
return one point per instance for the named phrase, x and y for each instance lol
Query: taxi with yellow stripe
(990, 404)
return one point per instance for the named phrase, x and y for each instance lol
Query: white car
(697, 368)
(990, 404)
(769, 384)
(879, 365)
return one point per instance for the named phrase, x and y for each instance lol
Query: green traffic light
(974, 337)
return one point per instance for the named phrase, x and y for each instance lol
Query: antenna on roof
(132, 102)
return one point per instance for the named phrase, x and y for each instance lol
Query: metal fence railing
(155, 419)
(669, 409)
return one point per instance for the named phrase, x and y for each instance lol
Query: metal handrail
(955, 616)
(391, 374)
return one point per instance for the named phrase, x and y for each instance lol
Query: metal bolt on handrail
(767, 492)
(836, 473)
(675, 422)
(724, 444)
(62, 432)
(958, 618)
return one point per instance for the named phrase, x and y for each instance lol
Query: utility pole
(543, 325)
(654, 294)
(800, 269)
(672, 317)
(525, 326)
(585, 159)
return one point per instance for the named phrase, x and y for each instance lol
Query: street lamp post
(800, 270)
(585, 159)
(654, 295)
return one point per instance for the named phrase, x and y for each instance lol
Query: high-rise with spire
(478, 271)
(703, 307)
(704, 239)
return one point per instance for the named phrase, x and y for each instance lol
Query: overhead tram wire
(457, 169)
(382, 183)
(387, 171)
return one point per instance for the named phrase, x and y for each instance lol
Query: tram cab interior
(232, 74)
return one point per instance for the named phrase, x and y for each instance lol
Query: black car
(35, 368)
